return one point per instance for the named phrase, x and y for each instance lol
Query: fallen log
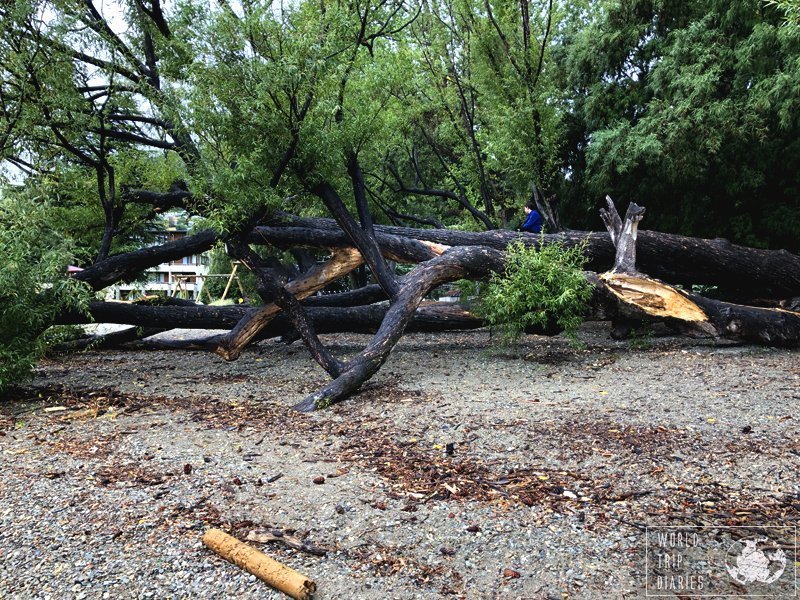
(637, 294)
(621, 292)
(341, 263)
(750, 272)
(171, 317)
(646, 297)
(268, 570)
(124, 267)
(431, 317)
(114, 339)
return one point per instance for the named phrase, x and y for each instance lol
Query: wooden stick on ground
(279, 576)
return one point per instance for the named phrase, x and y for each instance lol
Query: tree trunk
(445, 256)
(341, 263)
(753, 272)
(125, 267)
(430, 317)
(637, 293)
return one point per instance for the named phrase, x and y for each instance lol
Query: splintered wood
(279, 576)
(653, 297)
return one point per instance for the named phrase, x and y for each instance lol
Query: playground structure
(231, 277)
(187, 286)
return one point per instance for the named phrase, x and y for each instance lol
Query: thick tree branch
(272, 291)
(362, 240)
(342, 262)
(124, 267)
(454, 264)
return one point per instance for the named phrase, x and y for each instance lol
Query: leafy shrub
(540, 287)
(34, 286)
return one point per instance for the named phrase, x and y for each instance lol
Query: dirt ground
(460, 471)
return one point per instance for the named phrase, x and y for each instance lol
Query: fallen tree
(621, 294)
(324, 118)
(636, 294)
(682, 260)
(624, 291)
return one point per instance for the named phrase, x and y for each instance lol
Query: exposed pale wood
(341, 263)
(278, 575)
(623, 234)
(653, 297)
(612, 220)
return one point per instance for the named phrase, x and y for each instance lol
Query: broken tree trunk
(749, 272)
(639, 295)
(345, 260)
(623, 290)
(649, 298)
(271, 290)
(124, 267)
(113, 339)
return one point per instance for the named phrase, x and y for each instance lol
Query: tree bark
(114, 339)
(678, 259)
(271, 290)
(341, 263)
(638, 293)
(366, 295)
(455, 263)
(124, 267)
(431, 317)
(360, 238)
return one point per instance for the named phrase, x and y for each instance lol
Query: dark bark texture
(637, 263)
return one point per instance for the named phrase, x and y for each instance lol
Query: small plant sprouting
(541, 286)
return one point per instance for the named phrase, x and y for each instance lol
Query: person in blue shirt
(533, 222)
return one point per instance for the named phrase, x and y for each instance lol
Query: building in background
(182, 278)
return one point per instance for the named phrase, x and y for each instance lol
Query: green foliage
(69, 191)
(540, 286)
(791, 8)
(34, 286)
(691, 108)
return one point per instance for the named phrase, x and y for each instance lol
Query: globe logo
(747, 563)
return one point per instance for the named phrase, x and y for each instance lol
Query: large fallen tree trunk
(430, 317)
(678, 259)
(646, 298)
(637, 294)
(124, 267)
(445, 256)
(341, 263)
(681, 260)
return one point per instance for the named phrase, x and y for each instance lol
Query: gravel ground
(115, 463)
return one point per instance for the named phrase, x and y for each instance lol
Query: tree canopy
(453, 112)
(692, 107)
(444, 113)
